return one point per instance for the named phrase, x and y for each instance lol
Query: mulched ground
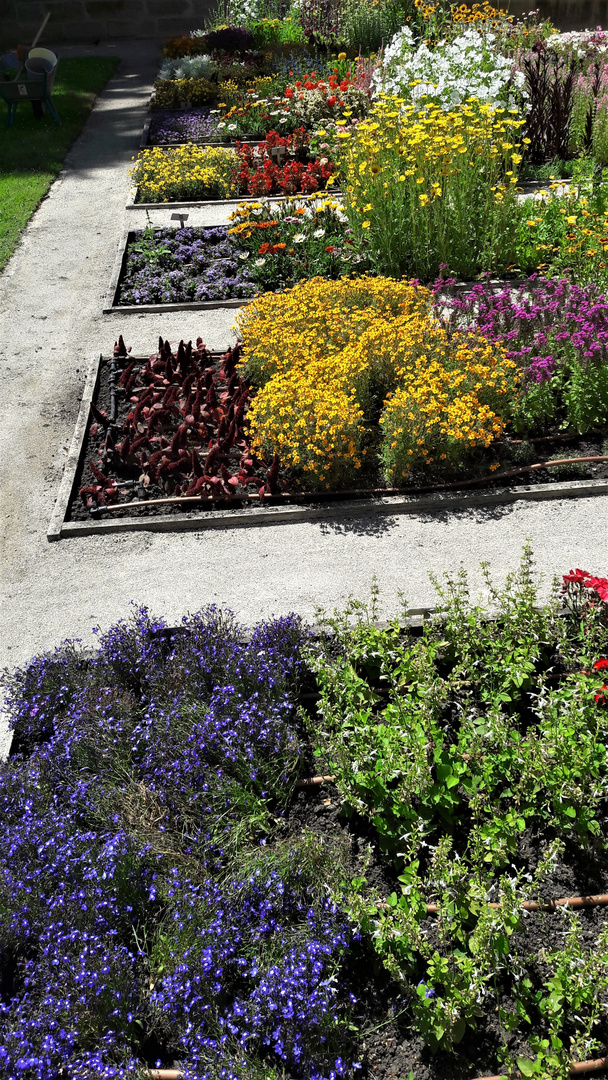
(389, 1047)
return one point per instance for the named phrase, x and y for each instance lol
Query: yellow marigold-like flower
(319, 352)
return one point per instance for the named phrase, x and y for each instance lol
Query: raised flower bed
(309, 103)
(361, 388)
(278, 165)
(265, 247)
(167, 851)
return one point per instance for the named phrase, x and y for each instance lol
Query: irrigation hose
(576, 1068)
(312, 781)
(357, 493)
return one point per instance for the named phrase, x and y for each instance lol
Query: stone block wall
(90, 21)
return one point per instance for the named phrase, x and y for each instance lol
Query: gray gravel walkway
(51, 296)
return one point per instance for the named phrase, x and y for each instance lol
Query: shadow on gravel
(112, 133)
(366, 525)
(475, 514)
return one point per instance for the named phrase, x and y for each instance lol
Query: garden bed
(397, 920)
(264, 493)
(155, 121)
(112, 301)
(263, 248)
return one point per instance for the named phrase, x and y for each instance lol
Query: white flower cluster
(240, 10)
(450, 73)
(310, 106)
(586, 44)
(187, 67)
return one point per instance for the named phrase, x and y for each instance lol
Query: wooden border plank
(54, 531)
(279, 515)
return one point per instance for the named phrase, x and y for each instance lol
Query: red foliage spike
(232, 433)
(120, 348)
(126, 374)
(197, 468)
(100, 416)
(137, 445)
(212, 457)
(181, 436)
(272, 476)
(99, 476)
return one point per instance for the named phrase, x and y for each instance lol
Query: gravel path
(51, 296)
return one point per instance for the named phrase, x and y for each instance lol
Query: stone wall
(90, 21)
(565, 14)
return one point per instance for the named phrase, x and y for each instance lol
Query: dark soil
(512, 454)
(388, 1046)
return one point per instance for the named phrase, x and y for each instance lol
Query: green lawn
(32, 151)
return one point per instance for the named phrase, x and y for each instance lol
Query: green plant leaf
(527, 1067)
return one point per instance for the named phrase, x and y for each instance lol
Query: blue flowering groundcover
(151, 908)
(165, 266)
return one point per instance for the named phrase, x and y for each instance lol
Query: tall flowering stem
(426, 187)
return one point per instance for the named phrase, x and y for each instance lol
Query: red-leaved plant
(186, 432)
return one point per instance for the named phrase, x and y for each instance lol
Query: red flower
(575, 577)
(298, 85)
(263, 248)
(344, 85)
(289, 92)
(600, 698)
(331, 101)
(598, 585)
(308, 85)
(329, 250)
(600, 664)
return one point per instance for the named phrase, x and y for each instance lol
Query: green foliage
(370, 24)
(452, 745)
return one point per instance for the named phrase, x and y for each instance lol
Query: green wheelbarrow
(33, 82)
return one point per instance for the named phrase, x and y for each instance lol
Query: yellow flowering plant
(566, 233)
(311, 419)
(447, 402)
(341, 365)
(424, 187)
(186, 171)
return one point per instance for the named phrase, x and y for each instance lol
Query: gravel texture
(51, 296)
